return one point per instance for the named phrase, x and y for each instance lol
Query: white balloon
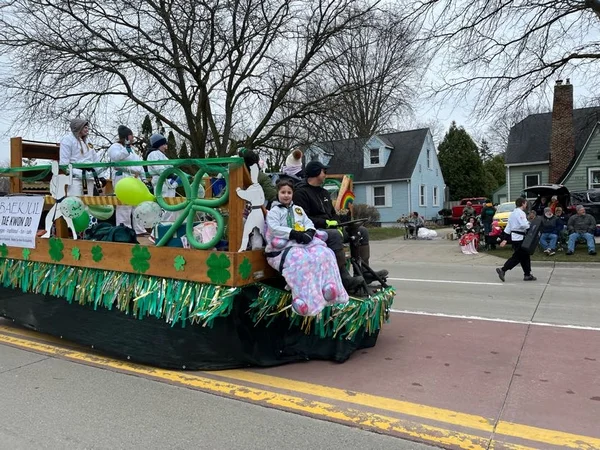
(147, 214)
(71, 207)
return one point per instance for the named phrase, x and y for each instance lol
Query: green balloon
(81, 222)
(101, 212)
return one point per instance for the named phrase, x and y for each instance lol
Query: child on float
(121, 151)
(297, 250)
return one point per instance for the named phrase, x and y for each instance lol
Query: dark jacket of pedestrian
(487, 213)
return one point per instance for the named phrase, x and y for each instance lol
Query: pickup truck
(476, 202)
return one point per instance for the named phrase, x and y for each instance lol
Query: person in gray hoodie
(581, 225)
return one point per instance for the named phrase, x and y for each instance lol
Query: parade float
(208, 306)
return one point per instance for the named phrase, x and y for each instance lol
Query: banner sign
(19, 220)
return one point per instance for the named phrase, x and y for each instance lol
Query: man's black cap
(313, 169)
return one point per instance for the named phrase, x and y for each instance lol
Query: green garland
(137, 294)
(359, 315)
(177, 301)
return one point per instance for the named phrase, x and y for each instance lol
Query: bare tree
(207, 69)
(503, 54)
(377, 71)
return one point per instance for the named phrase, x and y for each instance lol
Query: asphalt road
(50, 403)
(435, 278)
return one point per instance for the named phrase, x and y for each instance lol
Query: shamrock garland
(245, 269)
(179, 263)
(56, 249)
(3, 250)
(97, 253)
(26, 253)
(218, 268)
(76, 253)
(140, 258)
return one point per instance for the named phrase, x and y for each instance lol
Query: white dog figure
(256, 219)
(58, 185)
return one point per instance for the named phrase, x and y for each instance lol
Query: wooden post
(16, 160)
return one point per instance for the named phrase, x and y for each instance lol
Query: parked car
(549, 190)
(457, 211)
(503, 210)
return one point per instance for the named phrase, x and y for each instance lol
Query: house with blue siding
(562, 146)
(395, 172)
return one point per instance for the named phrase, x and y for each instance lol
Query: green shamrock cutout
(26, 254)
(97, 253)
(56, 249)
(3, 250)
(76, 253)
(218, 266)
(179, 263)
(140, 257)
(245, 269)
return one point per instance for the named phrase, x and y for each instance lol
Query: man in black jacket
(316, 201)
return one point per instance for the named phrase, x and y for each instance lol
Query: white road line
(487, 319)
(421, 280)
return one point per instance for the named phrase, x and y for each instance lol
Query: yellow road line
(320, 409)
(373, 401)
(414, 409)
(377, 422)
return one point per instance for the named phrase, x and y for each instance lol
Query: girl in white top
(119, 152)
(158, 145)
(76, 149)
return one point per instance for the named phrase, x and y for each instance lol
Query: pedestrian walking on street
(517, 228)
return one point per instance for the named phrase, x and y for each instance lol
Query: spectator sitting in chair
(468, 212)
(550, 230)
(414, 223)
(581, 225)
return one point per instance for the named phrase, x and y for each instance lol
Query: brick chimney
(562, 142)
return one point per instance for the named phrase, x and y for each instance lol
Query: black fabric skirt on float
(233, 341)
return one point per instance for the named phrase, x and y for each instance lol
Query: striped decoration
(110, 200)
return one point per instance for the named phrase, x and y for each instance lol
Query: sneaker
(547, 251)
(500, 273)
(593, 253)
(569, 253)
(529, 278)
(552, 253)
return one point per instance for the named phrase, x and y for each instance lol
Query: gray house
(562, 146)
(396, 172)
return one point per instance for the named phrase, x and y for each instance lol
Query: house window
(429, 159)
(381, 195)
(423, 195)
(436, 197)
(436, 172)
(594, 178)
(374, 156)
(532, 179)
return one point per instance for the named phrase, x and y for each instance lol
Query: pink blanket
(311, 273)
